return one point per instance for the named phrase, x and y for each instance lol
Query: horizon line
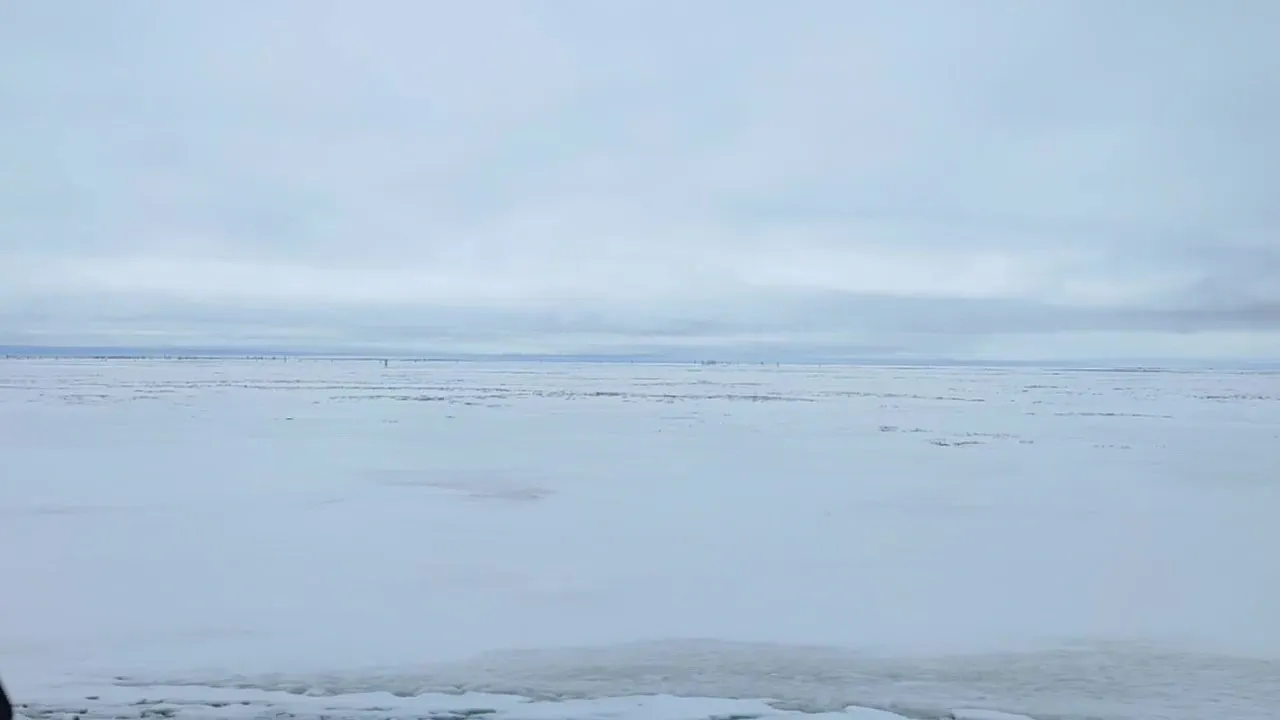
(197, 352)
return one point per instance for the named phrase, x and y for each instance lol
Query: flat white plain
(308, 538)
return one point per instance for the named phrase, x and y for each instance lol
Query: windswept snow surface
(340, 539)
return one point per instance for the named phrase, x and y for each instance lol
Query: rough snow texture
(219, 539)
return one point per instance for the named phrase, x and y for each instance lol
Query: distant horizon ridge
(710, 357)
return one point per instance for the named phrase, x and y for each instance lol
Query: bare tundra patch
(473, 484)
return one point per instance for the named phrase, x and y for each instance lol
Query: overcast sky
(992, 177)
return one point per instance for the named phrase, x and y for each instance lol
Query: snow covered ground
(314, 538)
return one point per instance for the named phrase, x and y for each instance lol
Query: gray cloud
(952, 179)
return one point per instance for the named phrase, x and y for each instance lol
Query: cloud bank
(997, 178)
